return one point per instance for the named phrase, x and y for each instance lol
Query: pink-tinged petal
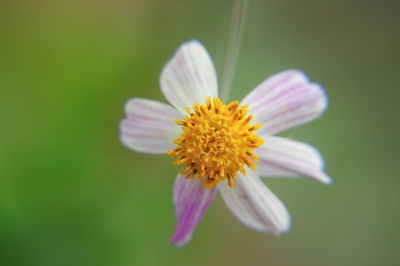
(285, 100)
(280, 157)
(189, 76)
(191, 202)
(149, 126)
(255, 205)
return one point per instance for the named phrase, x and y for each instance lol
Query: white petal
(189, 76)
(191, 202)
(149, 126)
(288, 158)
(255, 205)
(285, 100)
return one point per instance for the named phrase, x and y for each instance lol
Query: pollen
(217, 141)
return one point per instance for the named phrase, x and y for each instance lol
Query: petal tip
(129, 103)
(282, 232)
(323, 178)
(286, 224)
(285, 228)
(328, 180)
(192, 42)
(324, 104)
(180, 243)
(300, 73)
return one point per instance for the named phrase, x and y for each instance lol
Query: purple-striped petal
(189, 76)
(191, 202)
(285, 100)
(255, 205)
(149, 126)
(280, 157)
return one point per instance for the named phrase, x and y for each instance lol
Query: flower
(226, 148)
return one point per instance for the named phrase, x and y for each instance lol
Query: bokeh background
(71, 194)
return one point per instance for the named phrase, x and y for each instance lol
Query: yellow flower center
(217, 141)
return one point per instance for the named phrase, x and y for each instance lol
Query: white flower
(216, 142)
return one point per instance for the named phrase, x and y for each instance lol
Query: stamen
(217, 141)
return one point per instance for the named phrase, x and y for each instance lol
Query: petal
(149, 126)
(189, 76)
(191, 201)
(285, 100)
(255, 205)
(283, 157)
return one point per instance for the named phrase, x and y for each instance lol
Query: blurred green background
(71, 194)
